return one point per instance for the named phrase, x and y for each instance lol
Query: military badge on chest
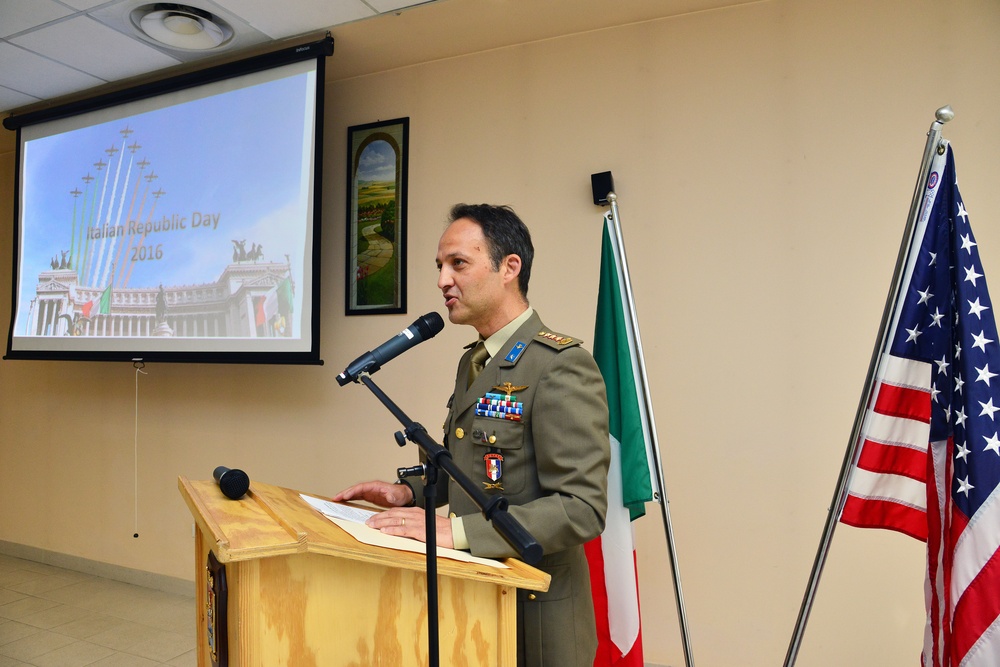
(502, 406)
(494, 470)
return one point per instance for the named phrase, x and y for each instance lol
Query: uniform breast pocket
(500, 443)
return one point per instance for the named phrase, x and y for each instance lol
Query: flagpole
(648, 409)
(942, 116)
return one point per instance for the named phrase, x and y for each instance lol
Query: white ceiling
(52, 48)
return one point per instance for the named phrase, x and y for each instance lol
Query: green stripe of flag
(104, 305)
(614, 351)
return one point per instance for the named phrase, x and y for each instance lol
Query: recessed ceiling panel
(18, 15)
(94, 48)
(31, 74)
(275, 19)
(83, 4)
(11, 99)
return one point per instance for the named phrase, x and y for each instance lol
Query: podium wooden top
(274, 521)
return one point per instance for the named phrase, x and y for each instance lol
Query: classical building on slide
(249, 300)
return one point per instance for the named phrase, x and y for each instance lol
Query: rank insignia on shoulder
(515, 352)
(562, 340)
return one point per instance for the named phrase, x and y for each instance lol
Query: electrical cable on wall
(139, 365)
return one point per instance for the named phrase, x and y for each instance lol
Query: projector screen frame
(145, 348)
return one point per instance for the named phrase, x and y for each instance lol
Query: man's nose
(444, 279)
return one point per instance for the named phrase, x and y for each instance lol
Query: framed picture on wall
(376, 217)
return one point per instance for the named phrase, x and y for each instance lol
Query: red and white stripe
(963, 576)
(888, 487)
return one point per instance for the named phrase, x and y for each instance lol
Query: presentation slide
(183, 222)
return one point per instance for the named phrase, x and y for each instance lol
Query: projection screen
(177, 221)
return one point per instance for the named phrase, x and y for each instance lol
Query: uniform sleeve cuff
(458, 538)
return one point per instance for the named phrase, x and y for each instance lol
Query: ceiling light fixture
(181, 26)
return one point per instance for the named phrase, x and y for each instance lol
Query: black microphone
(234, 483)
(425, 327)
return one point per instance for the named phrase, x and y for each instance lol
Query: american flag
(929, 461)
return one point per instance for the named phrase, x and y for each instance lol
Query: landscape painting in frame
(376, 217)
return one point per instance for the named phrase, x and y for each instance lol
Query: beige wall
(764, 157)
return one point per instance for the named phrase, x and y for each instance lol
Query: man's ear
(511, 268)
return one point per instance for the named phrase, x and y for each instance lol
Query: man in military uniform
(529, 420)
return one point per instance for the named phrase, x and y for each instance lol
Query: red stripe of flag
(903, 402)
(977, 608)
(608, 654)
(893, 459)
(875, 513)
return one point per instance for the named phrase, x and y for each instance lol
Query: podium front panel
(292, 606)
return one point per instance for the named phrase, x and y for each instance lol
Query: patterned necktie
(479, 358)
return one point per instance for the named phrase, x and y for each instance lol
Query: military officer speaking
(529, 420)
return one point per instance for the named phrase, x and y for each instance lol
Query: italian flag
(613, 576)
(278, 301)
(267, 307)
(99, 306)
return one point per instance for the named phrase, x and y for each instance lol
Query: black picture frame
(377, 170)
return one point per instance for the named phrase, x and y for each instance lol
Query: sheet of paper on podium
(352, 520)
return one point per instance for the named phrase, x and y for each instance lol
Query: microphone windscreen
(430, 325)
(234, 483)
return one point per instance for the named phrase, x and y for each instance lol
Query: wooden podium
(292, 588)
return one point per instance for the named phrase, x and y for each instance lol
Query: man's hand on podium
(400, 519)
(378, 493)
(409, 522)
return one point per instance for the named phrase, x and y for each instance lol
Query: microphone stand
(494, 508)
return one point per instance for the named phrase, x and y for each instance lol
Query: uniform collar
(496, 342)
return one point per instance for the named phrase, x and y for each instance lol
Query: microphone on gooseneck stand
(234, 483)
(425, 327)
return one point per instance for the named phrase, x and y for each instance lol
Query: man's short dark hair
(505, 234)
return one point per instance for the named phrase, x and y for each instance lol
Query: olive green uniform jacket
(551, 465)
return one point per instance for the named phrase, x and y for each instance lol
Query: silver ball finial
(612, 197)
(944, 114)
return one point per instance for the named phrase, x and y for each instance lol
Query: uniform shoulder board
(557, 340)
